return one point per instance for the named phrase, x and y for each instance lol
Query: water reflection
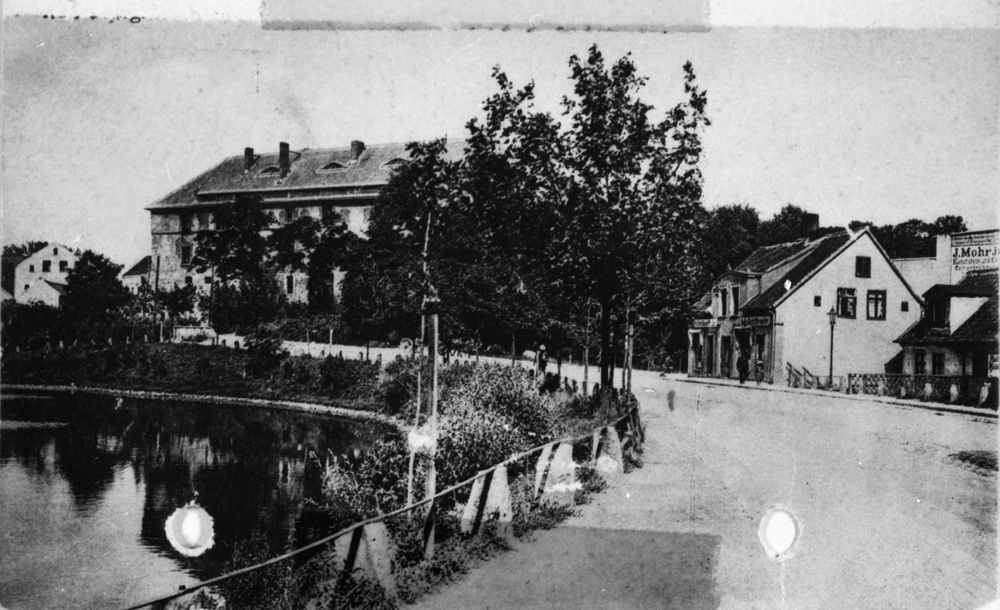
(87, 485)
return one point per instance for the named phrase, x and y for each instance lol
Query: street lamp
(833, 322)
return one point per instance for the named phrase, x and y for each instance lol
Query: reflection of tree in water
(249, 467)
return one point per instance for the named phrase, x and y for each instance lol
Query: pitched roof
(140, 268)
(60, 288)
(310, 169)
(814, 254)
(980, 328)
(766, 257)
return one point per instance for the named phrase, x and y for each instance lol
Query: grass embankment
(194, 369)
(486, 414)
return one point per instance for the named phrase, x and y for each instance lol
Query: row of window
(724, 300)
(847, 304)
(920, 363)
(47, 266)
(284, 216)
(189, 280)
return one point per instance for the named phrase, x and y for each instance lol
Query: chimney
(284, 161)
(357, 147)
(810, 223)
(247, 159)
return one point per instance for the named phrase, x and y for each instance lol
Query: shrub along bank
(263, 371)
(486, 414)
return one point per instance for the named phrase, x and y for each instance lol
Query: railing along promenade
(977, 392)
(363, 546)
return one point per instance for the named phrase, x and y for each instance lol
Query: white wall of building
(861, 345)
(51, 263)
(42, 292)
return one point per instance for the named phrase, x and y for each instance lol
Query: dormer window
(394, 163)
(270, 171)
(939, 313)
(333, 166)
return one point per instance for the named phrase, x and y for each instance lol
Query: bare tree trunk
(606, 356)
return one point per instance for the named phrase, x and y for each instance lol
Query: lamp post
(833, 322)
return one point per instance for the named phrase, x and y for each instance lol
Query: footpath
(575, 372)
(890, 517)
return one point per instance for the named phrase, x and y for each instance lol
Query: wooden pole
(433, 396)
(631, 348)
(416, 419)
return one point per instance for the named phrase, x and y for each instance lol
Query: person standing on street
(743, 367)
(542, 360)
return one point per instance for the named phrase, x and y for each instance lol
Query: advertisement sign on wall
(979, 250)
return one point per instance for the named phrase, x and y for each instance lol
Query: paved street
(891, 518)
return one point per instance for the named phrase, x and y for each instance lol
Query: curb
(900, 404)
(285, 405)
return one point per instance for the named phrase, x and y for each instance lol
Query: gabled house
(958, 332)
(777, 306)
(137, 275)
(41, 276)
(292, 184)
(43, 291)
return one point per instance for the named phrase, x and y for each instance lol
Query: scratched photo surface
(789, 492)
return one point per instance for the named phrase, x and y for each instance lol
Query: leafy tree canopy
(913, 238)
(93, 292)
(26, 249)
(545, 216)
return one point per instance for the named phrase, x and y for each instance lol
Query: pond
(88, 482)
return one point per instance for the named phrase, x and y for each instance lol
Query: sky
(101, 118)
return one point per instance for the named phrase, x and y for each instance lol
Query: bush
(264, 355)
(397, 387)
(341, 378)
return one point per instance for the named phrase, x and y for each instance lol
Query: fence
(364, 546)
(806, 379)
(968, 391)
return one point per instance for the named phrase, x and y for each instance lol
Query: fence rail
(950, 389)
(609, 445)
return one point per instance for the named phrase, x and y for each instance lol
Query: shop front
(754, 338)
(701, 348)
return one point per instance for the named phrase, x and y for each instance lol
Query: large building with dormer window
(777, 305)
(292, 184)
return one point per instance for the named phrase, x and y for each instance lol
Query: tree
(390, 272)
(730, 236)
(315, 247)
(948, 224)
(544, 220)
(787, 225)
(25, 249)
(237, 249)
(913, 238)
(635, 191)
(93, 292)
